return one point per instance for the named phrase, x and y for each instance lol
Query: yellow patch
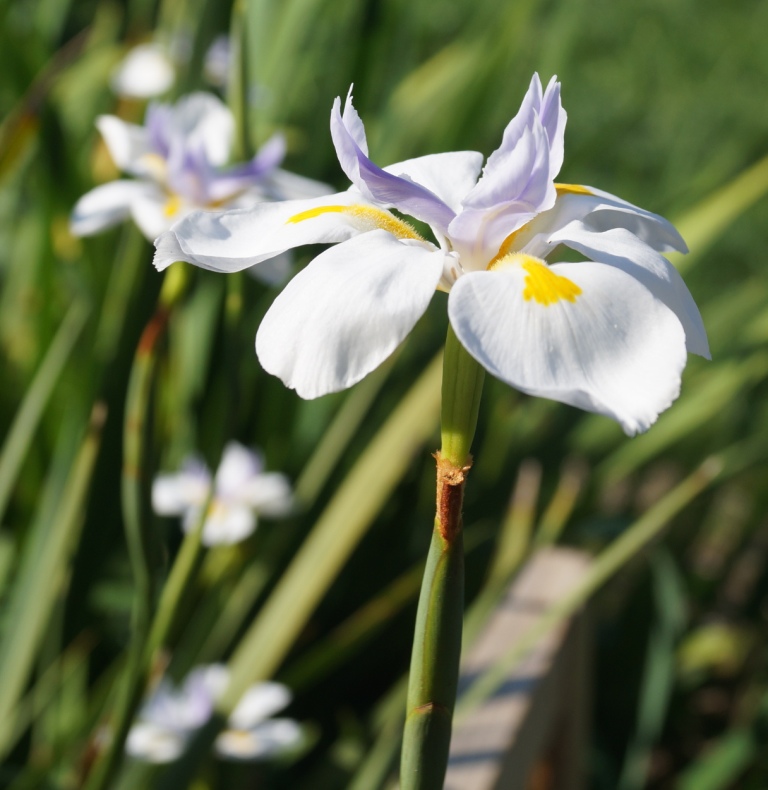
(572, 189)
(543, 285)
(172, 206)
(375, 217)
(506, 247)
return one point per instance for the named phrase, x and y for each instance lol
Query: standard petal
(347, 311)
(522, 168)
(378, 185)
(554, 117)
(128, 144)
(618, 247)
(450, 176)
(610, 347)
(509, 194)
(106, 205)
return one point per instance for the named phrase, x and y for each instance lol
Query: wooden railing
(532, 734)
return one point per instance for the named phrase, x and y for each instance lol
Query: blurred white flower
(242, 491)
(146, 71)
(172, 715)
(178, 161)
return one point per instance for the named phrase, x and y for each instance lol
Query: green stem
(437, 640)
(237, 91)
(143, 549)
(176, 586)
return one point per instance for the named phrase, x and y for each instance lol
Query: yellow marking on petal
(546, 287)
(172, 206)
(375, 217)
(572, 189)
(541, 283)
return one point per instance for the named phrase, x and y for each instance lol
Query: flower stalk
(437, 641)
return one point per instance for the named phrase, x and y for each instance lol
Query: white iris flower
(242, 491)
(171, 716)
(178, 161)
(609, 334)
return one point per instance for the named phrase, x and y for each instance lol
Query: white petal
(268, 739)
(203, 121)
(269, 495)
(150, 212)
(238, 466)
(258, 703)
(174, 494)
(599, 211)
(104, 206)
(234, 240)
(615, 350)
(215, 677)
(343, 315)
(450, 176)
(620, 248)
(128, 143)
(182, 709)
(226, 524)
(154, 744)
(146, 71)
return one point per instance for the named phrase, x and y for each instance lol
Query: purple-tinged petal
(375, 183)
(158, 124)
(228, 182)
(450, 176)
(553, 118)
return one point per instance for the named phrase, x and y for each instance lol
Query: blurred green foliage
(666, 104)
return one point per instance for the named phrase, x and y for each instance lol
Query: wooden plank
(531, 734)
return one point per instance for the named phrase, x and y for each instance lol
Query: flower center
(541, 283)
(368, 217)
